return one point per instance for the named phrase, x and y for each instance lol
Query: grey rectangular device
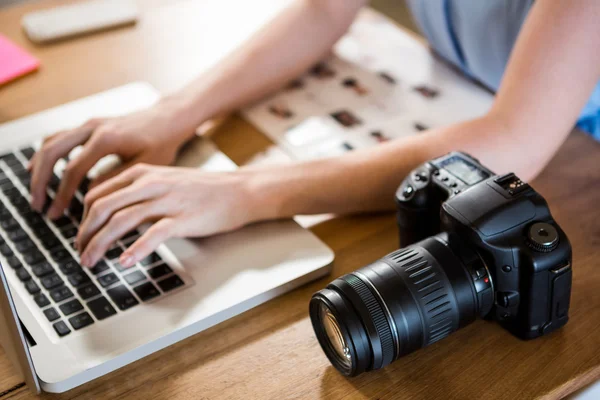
(68, 314)
(13, 339)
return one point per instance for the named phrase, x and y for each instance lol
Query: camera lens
(334, 336)
(409, 299)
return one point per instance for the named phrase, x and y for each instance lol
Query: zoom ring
(376, 312)
(429, 285)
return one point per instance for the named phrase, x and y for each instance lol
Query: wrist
(263, 192)
(184, 115)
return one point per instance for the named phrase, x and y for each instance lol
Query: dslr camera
(477, 245)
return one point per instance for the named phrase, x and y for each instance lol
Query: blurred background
(395, 9)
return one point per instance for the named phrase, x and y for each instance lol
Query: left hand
(182, 202)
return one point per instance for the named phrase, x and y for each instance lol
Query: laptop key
(76, 209)
(6, 184)
(4, 213)
(88, 291)
(101, 308)
(23, 275)
(54, 182)
(62, 222)
(51, 281)
(33, 219)
(17, 235)
(43, 231)
(134, 277)
(170, 283)
(50, 242)
(159, 270)
(28, 152)
(146, 291)
(47, 204)
(10, 191)
(69, 232)
(19, 201)
(42, 269)
(113, 254)
(60, 254)
(41, 300)
(15, 164)
(151, 259)
(61, 328)
(51, 314)
(122, 297)
(101, 266)
(9, 158)
(9, 224)
(32, 287)
(81, 320)
(108, 279)
(119, 267)
(14, 262)
(25, 245)
(60, 294)
(5, 250)
(71, 307)
(34, 257)
(78, 278)
(69, 266)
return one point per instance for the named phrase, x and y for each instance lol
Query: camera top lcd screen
(463, 170)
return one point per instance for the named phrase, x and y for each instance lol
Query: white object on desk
(380, 84)
(231, 273)
(77, 19)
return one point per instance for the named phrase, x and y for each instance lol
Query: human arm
(297, 38)
(543, 90)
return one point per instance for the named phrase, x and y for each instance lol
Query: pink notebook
(14, 61)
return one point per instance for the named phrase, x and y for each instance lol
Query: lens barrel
(409, 299)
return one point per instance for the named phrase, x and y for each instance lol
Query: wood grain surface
(270, 352)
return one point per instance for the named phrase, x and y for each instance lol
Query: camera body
(526, 282)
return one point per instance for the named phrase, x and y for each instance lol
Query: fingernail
(76, 244)
(85, 260)
(127, 260)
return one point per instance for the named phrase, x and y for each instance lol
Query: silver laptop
(64, 325)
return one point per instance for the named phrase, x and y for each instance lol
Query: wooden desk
(271, 351)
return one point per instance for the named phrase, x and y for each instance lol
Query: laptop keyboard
(41, 253)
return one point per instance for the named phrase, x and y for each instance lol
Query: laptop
(63, 325)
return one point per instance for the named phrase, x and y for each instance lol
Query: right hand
(150, 136)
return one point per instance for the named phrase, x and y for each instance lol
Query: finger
(119, 224)
(54, 148)
(30, 163)
(148, 242)
(120, 181)
(97, 147)
(103, 209)
(115, 171)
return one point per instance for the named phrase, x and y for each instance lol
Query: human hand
(151, 136)
(182, 202)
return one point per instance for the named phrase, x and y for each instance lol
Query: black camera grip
(416, 224)
(418, 206)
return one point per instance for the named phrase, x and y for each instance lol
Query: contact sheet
(380, 83)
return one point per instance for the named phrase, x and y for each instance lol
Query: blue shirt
(478, 36)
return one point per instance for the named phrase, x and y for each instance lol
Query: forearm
(301, 35)
(363, 180)
(551, 73)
